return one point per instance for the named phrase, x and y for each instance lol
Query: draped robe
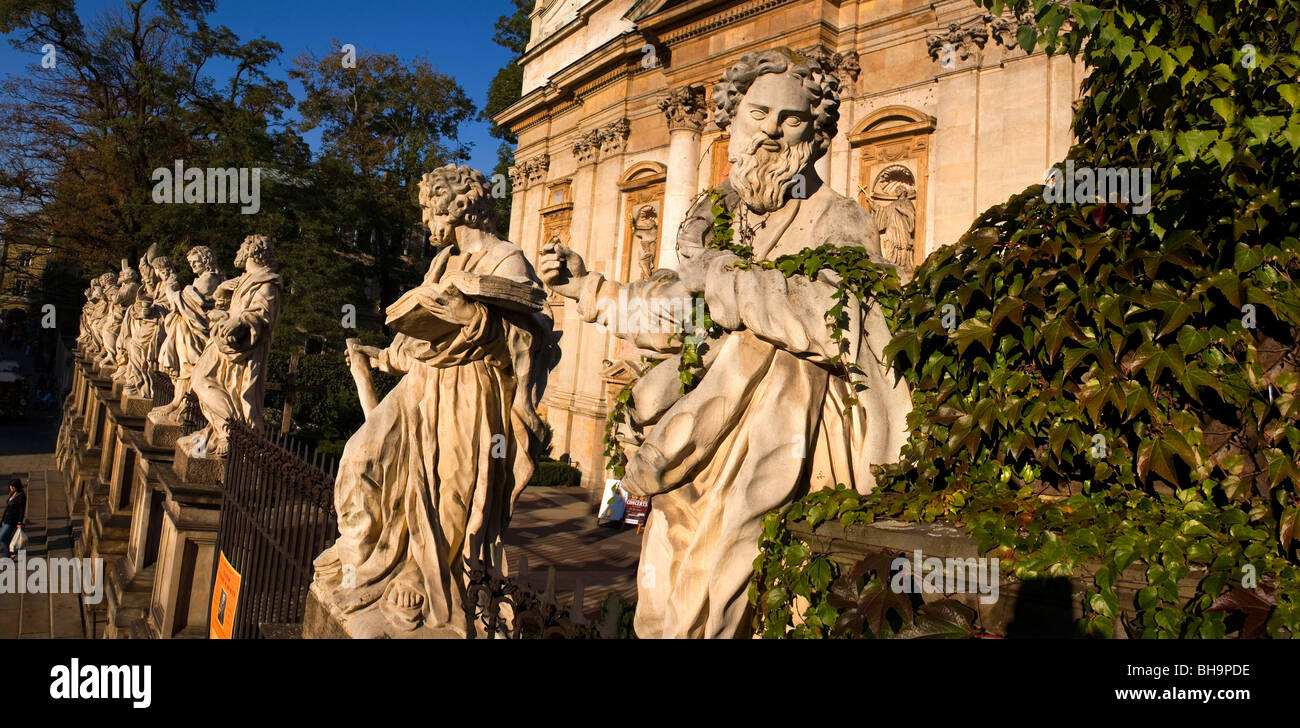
(766, 422)
(229, 382)
(426, 487)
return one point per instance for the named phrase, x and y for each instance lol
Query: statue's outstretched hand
(562, 270)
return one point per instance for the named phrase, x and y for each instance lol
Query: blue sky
(456, 37)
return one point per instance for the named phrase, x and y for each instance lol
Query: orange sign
(225, 599)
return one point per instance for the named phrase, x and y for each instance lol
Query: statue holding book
(426, 487)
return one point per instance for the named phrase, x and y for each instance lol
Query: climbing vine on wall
(1094, 382)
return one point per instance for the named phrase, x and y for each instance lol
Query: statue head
(201, 259)
(106, 281)
(782, 111)
(162, 268)
(128, 276)
(456, 196)
(257, 249)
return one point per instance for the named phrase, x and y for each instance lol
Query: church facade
(941, 116)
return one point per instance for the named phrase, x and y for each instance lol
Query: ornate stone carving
(893, 197)
(645, 233)
(530, 171)
(229, 377)
(716, 459)
(613, 136)
(959, 41)
(587, 146)
(608, 139)
(845, 67)
(685, 108)
(426, 486)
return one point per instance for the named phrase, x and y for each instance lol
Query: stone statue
(645, 226)
(230, 375)
(142, 329)
(770, 418)
(186, 327)
(124, 294)
(101, 315)
(893, 207)
(426, 487)
(86, 340)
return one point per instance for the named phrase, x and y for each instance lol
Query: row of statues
(210, 337)
(427, 485)
(419, 495)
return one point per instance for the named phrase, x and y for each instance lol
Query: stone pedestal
(182, 593)
(193, 468)
(135, 406)
(160, 432)
(323, 621)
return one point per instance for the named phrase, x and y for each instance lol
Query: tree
(385, 123)
(506, 88)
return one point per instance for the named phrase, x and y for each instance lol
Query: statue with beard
(229, 378)
(769, 420)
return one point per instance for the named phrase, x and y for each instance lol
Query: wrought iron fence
(277, 515)
(192, 419)
(508, 608)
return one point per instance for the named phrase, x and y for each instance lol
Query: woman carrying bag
(12, 521)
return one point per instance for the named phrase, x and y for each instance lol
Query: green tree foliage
(1119, 388)
(507, 85)
(385, 123)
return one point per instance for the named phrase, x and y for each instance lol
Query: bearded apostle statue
(773, 415)
(186, 327)
(426, 487)
(229, 377)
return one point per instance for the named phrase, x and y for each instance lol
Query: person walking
(15, 513)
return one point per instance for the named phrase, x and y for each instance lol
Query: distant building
(940, 118)
(22, 270)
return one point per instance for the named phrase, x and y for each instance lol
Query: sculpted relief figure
(101, 314)
(229, 377)
(186, 327)
(426, 487)
(767, 421)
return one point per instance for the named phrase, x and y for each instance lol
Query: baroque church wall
(939, 119)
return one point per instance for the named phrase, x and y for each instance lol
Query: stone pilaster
(684, 109)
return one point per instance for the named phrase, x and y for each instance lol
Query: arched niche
(893, 149)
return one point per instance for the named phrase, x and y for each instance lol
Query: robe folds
(765, 424)
(426, 487)
(230, 382)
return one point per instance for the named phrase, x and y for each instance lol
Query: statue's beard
(763, 178)
(440, 233)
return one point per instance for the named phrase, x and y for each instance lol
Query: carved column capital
(685, 108)
(587, 146)
(613, 136)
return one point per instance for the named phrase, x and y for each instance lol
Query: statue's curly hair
(260, 249)
(822, 89)
(462, 192)
(205, 256)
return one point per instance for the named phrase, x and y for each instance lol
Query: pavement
(557, 527)
(49, 533)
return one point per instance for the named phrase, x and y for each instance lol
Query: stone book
(409, 316)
